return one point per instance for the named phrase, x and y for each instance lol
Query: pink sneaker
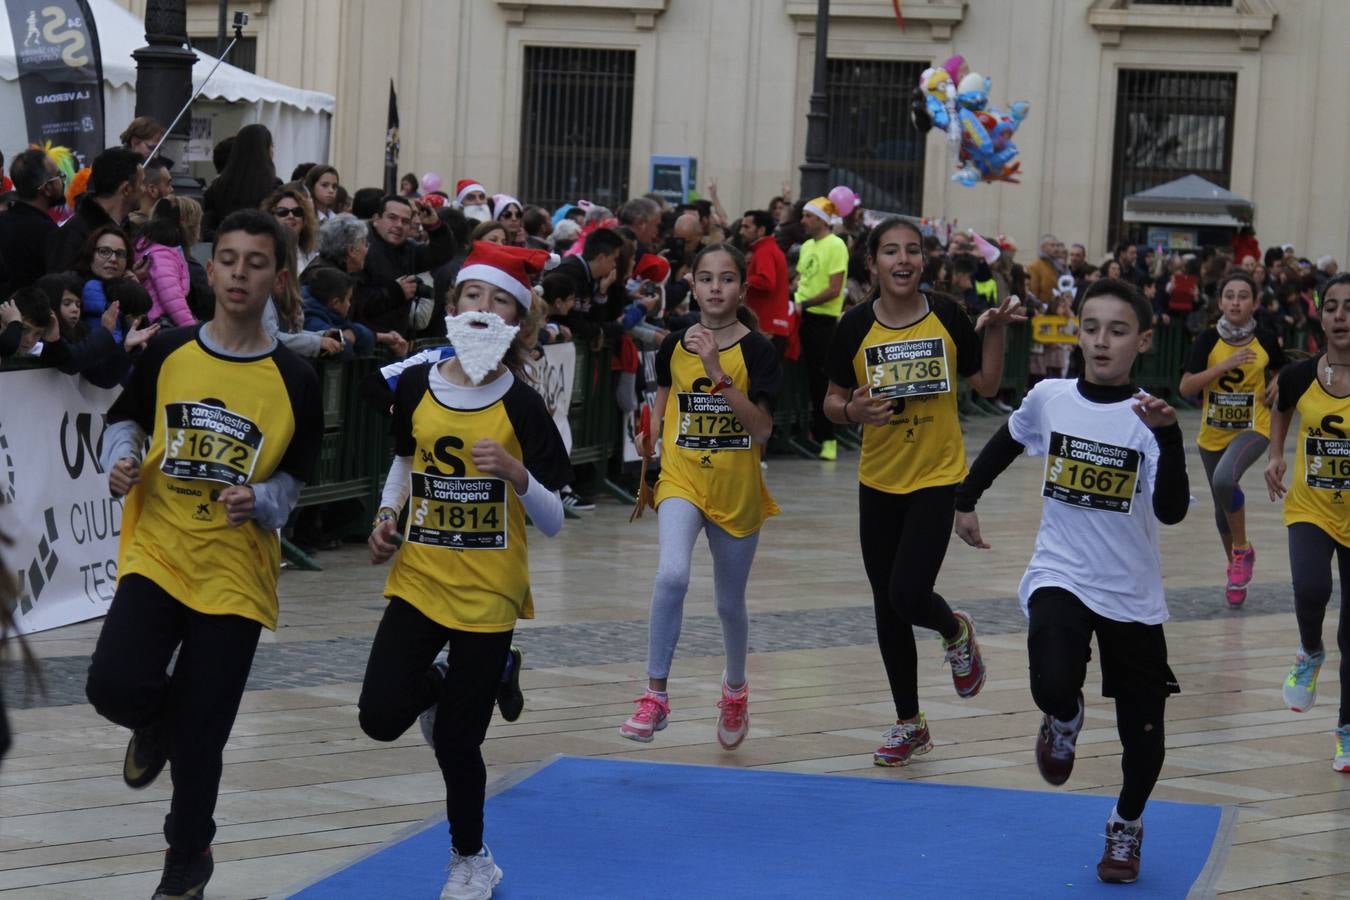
(1240, 569)
(733, 720)
(649, 718)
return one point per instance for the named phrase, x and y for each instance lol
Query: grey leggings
(1224, 469)
(680, 522)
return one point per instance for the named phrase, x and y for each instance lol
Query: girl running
(1314, 508)
(1228, 364)
(893, 365)
(477, 450)
(717, 383)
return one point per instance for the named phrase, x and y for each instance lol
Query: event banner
(57, 510)
(60, 74)
(555, 373)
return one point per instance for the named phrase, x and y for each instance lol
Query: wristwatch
(722, 385)
(384, 515)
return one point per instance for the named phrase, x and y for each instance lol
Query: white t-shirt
(1098, 537)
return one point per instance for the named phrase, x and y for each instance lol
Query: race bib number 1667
(1090, 474)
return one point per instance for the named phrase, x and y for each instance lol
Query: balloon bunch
(955, 99)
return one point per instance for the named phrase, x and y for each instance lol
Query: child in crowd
(95, 353)
(328, 303)
(560, 296)
(1231, 364)
(718, 381)
(1319, 527)
(161, 243)
(29, 325)
(477, 450)
(1115, 463)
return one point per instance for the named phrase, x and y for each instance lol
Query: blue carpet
(606, 828)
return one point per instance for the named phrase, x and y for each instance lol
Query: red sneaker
(733, 717)
(904, 741)
(964, 656)
(1056, 746)
(1120, 859)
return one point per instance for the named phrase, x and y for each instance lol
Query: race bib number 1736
(910, 368)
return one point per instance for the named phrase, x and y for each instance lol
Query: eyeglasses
(510, 214)
(109, 253)
(59, 176)
(282, 212)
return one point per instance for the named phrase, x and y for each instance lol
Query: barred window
(873, 146)
(1169, 124)
(576, 125)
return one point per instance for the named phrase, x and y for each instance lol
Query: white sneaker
(471, 877)
(428, 717)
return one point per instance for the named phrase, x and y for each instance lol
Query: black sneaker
(185, 875)
(576, 502)
(510, 700)
(145, 759)
(1056, 746)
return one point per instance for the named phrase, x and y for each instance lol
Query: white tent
(299, 120)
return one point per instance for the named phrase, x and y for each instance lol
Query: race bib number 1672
(210, 443)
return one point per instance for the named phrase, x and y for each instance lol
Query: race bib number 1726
(1090, 474)
(209, 442)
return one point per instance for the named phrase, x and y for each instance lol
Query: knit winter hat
(513, 269)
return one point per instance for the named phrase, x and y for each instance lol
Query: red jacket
(766, 286)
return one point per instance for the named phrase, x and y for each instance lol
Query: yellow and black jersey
(707, 456)
(1319, 489)
(1233, 400)
(917, 366)
(214, 421)
(464, 562)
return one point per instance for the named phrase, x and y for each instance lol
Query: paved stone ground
(302, 664)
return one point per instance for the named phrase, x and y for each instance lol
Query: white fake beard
(479, 350)
(478, 212)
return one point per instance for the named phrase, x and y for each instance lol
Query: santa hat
(501, 201)
(466, 186)
(823, 208)
(513, 269)
(652, 268)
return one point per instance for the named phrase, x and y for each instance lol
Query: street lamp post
(164, 80)
(816, 170)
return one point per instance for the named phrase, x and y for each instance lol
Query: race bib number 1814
(458, 513)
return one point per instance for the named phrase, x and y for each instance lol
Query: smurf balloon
(955, 99)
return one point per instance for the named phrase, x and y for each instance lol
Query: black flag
(391, 144)
(60, 74)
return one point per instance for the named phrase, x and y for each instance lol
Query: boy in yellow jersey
(1228, 363)
(234, 424)
(477, 450)
(1317, 505)
(1115, 466)
(718, 380)
(893, 368)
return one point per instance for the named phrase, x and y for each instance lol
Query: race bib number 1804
(910, 368)
(209, 442)
(457, 512)
(1230, 412)
(1090, 474)
(1327, 461)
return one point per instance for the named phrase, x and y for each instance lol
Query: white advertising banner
(555, 372)
(64, 525)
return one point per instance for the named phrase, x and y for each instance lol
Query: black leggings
(904, 539)
(815, 333)
(193, 709)
(1310, 551)
(1134, 672)
(400, 684)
